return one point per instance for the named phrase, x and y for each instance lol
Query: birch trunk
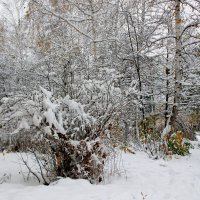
(178, 64)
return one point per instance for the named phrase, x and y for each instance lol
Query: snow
(47, 93)
(13, 172)
(78, 109)
(24, 125)
(37, 120)
(198, 135)
(4, 100)
(51, 119)
(74, 106)
(177, 179)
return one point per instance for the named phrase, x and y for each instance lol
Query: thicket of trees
(96, 72)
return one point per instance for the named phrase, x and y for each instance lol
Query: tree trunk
(178, 64)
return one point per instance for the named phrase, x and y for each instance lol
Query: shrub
(75, 159)
(150, 137)
(159, 145)
(62, 137)
(178, 144)
(194, 121)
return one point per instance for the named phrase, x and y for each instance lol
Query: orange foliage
(179, 137)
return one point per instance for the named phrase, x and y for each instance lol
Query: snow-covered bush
(62, 129)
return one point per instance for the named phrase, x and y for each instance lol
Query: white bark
(178, 62)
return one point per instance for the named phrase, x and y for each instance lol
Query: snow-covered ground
(198, 135)
(177, 179)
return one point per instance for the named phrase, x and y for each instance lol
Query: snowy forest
(100, 99)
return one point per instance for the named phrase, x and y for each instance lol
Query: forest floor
(142, 179)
